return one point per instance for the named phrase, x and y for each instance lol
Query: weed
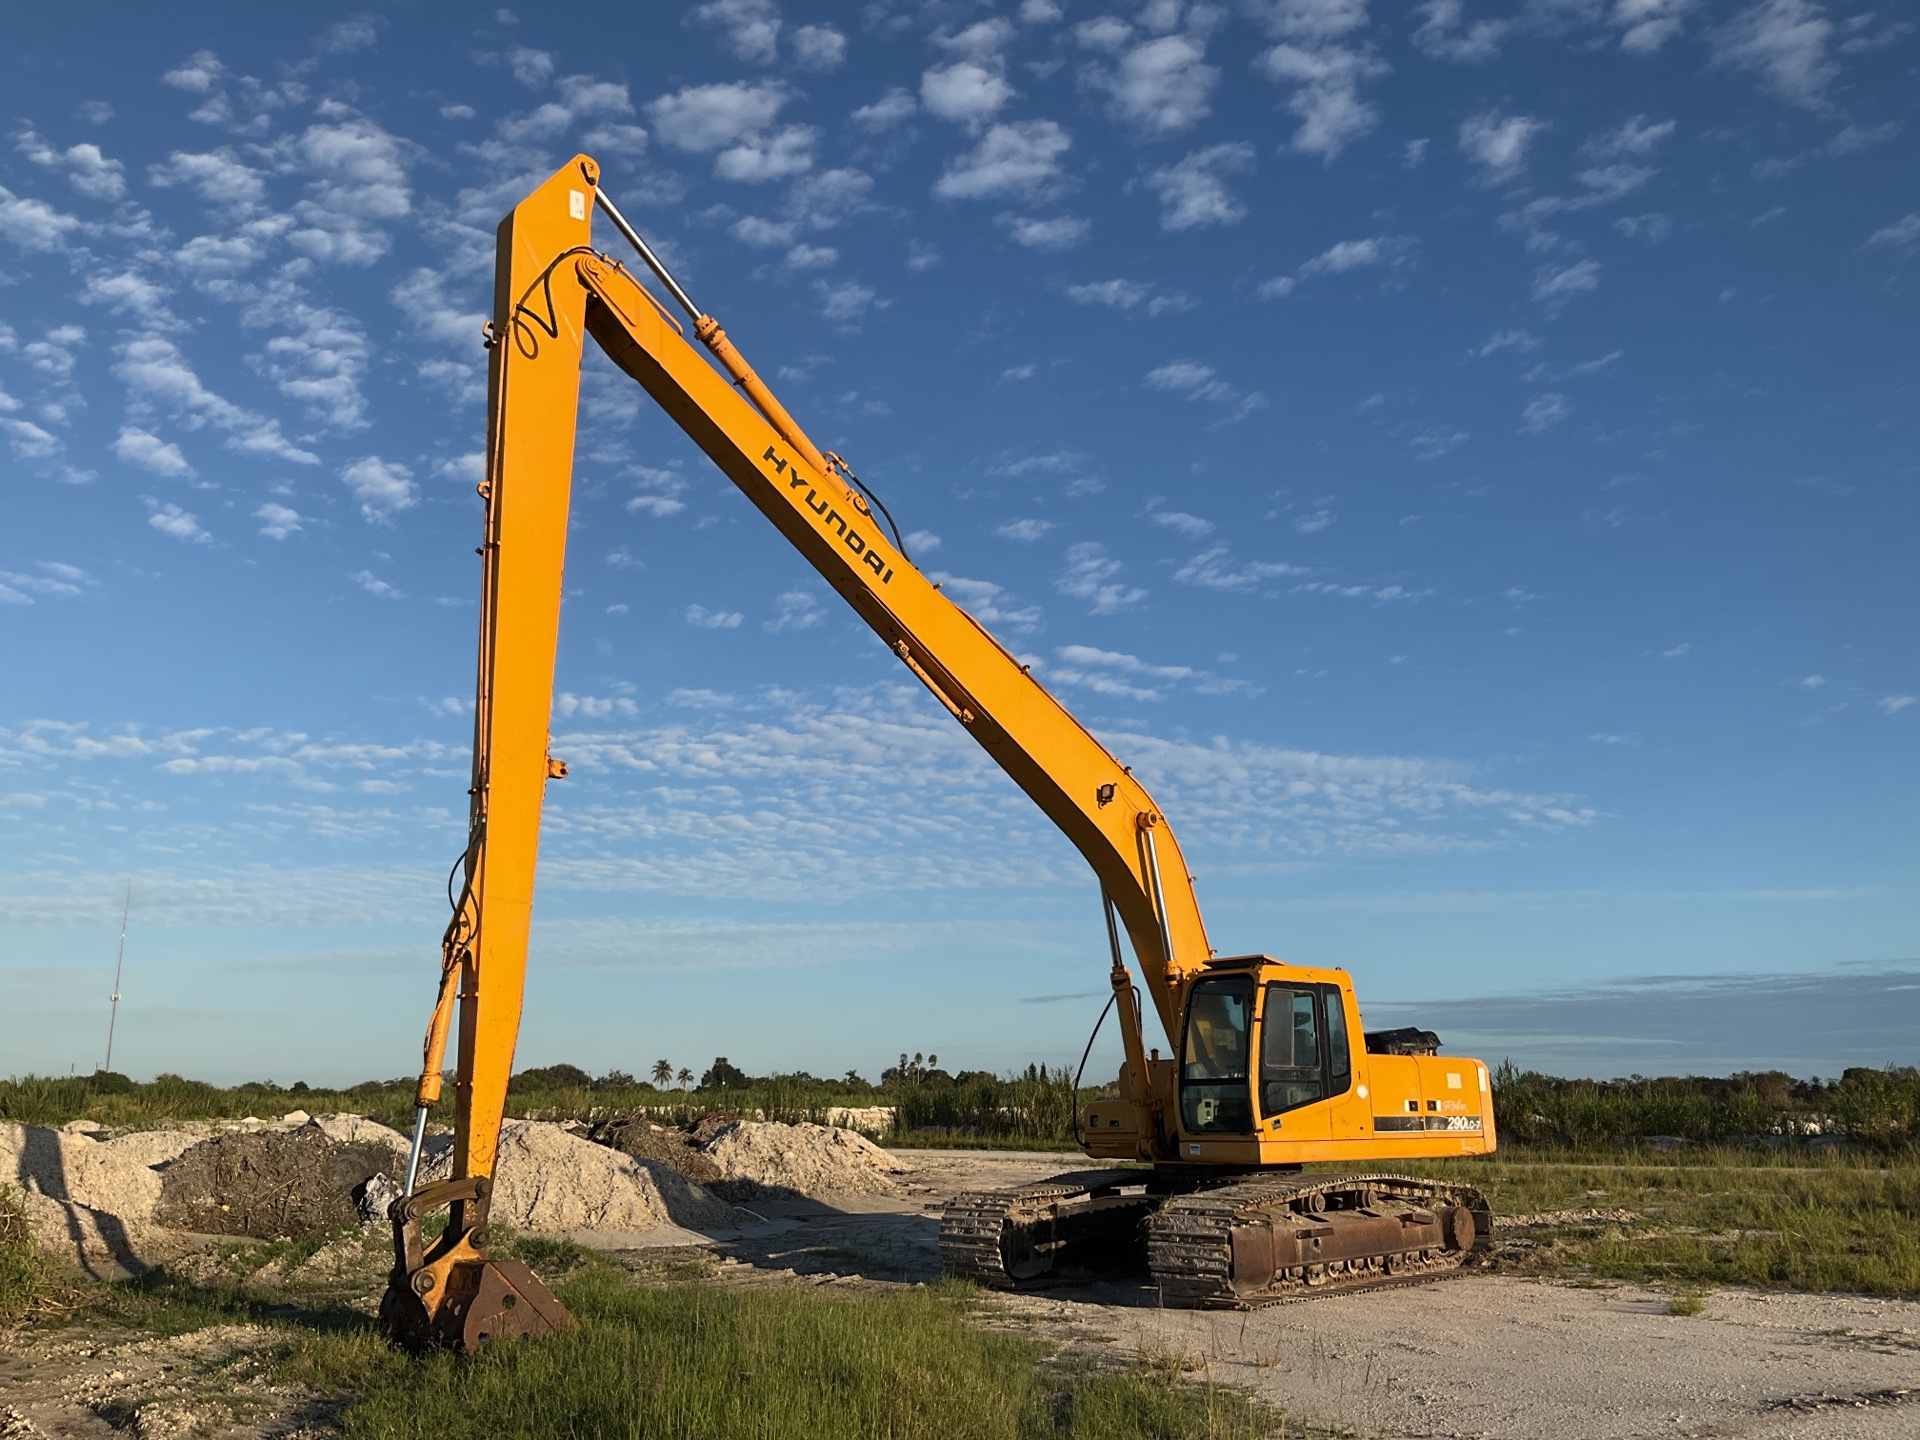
(1687, 1302)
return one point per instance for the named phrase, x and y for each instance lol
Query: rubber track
(1189, 1239)
(974, 1225)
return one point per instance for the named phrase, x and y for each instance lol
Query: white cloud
(966, 92)
(348, 36)
(923, 542)
(383, 488)
(1557, 284)
(891, 110)
(703, 118)
(1678, 651)
(1646, 25)
(795, 610)
(1114, 294)
(1278, 288)
(818, 48)
(1193, 192)
(196, 73)
(1445, 34)
(1437, 440)
(750, 29)
(1902, 234)
(277, 522)
(1114, 673)
(87, 170)
(1021, 159)
(1521, 341)
(375, 586)
(1543, 412)
(1784, 42)
(657, 494)
(811, 257)
(1198, 382)
(137, 447)
(779, 156)
(170, 519)
(1055, 233)
(987, 602)
(221, 179)
(61, 582)
(1894, 704)
(1190, 526)
(1325, 84)
(1314, 522)
(157, 373)
(359, 180)
(1027, 529)
(1635, 136)
(705, 619)
(33, 224)
(1162, 86)
(1213, 569)
(1498, 143)
(845, 301)
(1392, 250)
(1093, 576)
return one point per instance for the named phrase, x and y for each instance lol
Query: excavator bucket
(452, 1296)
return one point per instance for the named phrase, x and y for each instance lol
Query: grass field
(1835, 1222)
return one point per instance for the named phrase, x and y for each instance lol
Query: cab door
(1296, 1061)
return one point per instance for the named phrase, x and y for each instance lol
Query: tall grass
(702, 1363)
(1036, 1105)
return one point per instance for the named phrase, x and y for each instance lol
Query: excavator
(1267, 1069)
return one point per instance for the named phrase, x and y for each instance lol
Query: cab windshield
(1215, 1093)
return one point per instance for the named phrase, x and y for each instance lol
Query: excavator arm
(552, 290)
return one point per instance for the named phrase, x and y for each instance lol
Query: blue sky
(1462, 457)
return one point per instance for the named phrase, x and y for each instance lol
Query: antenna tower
(113, 1011)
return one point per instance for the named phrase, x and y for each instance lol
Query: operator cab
(1257, 1042)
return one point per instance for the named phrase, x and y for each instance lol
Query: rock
(374, 1198)
(82, 1127)
(358, 1130)
(294, 1119)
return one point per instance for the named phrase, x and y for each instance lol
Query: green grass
(29, 1282)
(1830, 1223)
(690, 1362)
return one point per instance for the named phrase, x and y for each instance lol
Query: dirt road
(1486, 1355)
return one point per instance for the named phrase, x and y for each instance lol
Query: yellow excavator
(1269, 1068)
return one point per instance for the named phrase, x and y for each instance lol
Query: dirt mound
(806, 1160)
(270, 1185)
(90, 1200)
(645, 1139)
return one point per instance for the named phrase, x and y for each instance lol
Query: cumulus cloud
(87, 170)
(170, 519)
(845, 301)
(383, 488)
(967, 92)
(220, 178)
(889, 112)
(1193, 192)
(1027, 529)
(1191, 526)
(1053, 233)
(1446, 34)
(157, 374)
(1646, 25)
(375, 586)
(818, 47)
(704, 619)
(33, 224)
(1323, 71)
(704, 118)
(1094, 577)
(777, 156)
(1161, 86)
(197, 73)
(794, 610)
(987, 602)
(1021, 159)
(1498, 144)
(359, 180)
(277, 522)
(749, 29)
(136, 447)
(1902, 234)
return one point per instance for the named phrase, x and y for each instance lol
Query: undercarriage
(1218, 1242)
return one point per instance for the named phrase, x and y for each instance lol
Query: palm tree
(663, 1073)
(686, 1077)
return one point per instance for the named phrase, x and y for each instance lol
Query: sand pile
(92, 1200)
(808, 1160)
(547, 1179)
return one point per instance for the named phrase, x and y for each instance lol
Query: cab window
(1214, 1059)
(1291, 1074)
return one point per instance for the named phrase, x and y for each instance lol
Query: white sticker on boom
(1453, 1080)
(577, 204)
